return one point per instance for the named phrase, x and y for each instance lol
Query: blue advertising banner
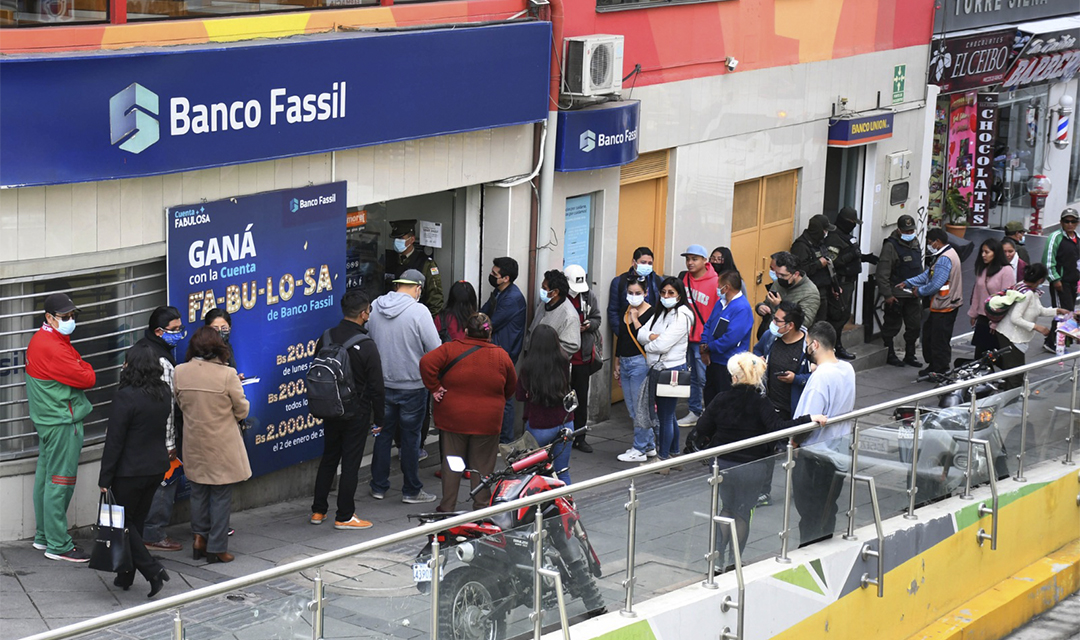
(104, 116)
(276, 262)
(856, 131)
(598, 137)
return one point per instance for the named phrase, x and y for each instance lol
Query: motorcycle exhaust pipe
(465, 552)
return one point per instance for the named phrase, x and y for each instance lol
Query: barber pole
(1064, 113)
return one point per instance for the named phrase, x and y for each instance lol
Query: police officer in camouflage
(900, 259)
(406, 255)
(842, 249)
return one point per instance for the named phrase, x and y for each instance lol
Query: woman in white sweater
(1018, 327)
(664, 339)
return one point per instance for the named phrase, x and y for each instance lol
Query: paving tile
(17, 605)
(14, 628)
(60, 577)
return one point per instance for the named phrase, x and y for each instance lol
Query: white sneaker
(689, 420)
(651, 453)
(632, 455)
(630, 450)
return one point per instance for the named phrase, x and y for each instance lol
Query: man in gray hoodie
(403, 330)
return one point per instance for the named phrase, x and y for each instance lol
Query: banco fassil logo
(131, 118)
(294, 205)
(588, 141)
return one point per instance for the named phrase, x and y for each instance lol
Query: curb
(1011, 603)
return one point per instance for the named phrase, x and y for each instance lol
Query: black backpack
(331, 390)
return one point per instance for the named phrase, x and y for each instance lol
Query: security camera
(731, 63)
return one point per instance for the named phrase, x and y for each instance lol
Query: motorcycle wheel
(466, 600)
(582, 584)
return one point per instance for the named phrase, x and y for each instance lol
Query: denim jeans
(669, 431)
(697, 377)
(404, 415)
(633, 371)
(560, 453)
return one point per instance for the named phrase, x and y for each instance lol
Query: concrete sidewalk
(37, 594)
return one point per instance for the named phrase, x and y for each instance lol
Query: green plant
(954, 207)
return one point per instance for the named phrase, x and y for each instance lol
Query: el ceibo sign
(598, 137)
(183, 108)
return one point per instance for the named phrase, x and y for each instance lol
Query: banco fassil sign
(178, 109)
(597, 137)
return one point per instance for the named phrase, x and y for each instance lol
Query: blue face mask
(775, 330)
(66, 327)
(644, 270)
(772, 275)
(669, 302)
(545, 296)
(173, 338)
(907, 237)
(399, 245)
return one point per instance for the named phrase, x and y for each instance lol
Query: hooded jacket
(403, 330)
(56, 378)
(808, 249)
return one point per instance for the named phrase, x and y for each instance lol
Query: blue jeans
(560, 453)
(507, 434)
(633, 371)
(404, 415)
(697, 376)
(669, 431)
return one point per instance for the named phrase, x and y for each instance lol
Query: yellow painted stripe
(273, 26)
(1013, 602)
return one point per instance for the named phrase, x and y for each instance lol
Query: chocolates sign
(986, 118)
(969, 62)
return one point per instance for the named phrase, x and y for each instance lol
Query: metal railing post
(740, 605)
(631, 546)
(970, 452)
(993, 511)
(785, 535)
(316, 606)
(850, 535)
(1023, 431)
(537, 536)
(561, 598)
(178, 626)
(714, 482)
(867, 551)
(913, 487)
(1072, 414)
(434, 563)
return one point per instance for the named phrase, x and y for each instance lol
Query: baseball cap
(695, 250)
(1070, 213)
(410, 276)
(59, 303)
(400, 228)
(905, 223)
(848, 213)
(821, 223)
(1012, 226)
(575, 275)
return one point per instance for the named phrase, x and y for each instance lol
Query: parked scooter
(487, 565)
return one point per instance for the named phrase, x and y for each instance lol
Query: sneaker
(317, 518)
(40, 547)
(378, 495)
(1047, 348)
(689, 420)
(419, 498)
(75, 555)
(423, 455)
(651, 453)
(764, 500)
(632, 455)
(165, 544)
(353, 523)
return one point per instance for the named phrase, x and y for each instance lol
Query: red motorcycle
(487, 565)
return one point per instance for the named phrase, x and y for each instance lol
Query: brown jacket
(212, 400)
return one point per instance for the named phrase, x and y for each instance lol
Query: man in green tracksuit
(56, 377)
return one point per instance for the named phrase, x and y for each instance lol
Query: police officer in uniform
(843, 250)
(809, 250)
(407, 255)
(900, 259)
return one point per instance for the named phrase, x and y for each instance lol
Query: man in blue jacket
(726, 333)
(642, 269)
(508, 310)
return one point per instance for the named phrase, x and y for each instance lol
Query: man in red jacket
(56, 377)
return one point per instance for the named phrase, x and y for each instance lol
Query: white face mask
(635, 300)
(669, 302)
(66, 327)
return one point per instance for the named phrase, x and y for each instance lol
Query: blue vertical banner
(276, 262)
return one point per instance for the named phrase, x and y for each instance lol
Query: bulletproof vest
(908, 263)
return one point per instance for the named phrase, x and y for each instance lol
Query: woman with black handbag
(135, 459)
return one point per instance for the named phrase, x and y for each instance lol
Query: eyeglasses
(182, 331)
(1070, 221)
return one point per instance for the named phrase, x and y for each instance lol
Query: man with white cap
(700, 281)
(584, 361)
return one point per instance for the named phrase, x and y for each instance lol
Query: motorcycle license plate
(873, 445)
(905, 433)
(421, 572)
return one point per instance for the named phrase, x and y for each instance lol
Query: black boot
(582, 446)
(843, 353)
(909, 357)
(893, 359)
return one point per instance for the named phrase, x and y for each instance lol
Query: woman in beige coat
(212, 400)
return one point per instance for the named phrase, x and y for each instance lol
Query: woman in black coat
(742, 412)
(135, 459)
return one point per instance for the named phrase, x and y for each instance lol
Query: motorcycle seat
(435, 516)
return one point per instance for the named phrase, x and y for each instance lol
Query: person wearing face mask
(56, 381)
(583, 363)
(642, 270)
(809, 251)
(164, 332)
(824, 454)
(1015, 231)
(508, 311)
(221, 320)
(632, 368)
(900, 259)
(722, 260)
(726, 333)
(842, 248)
(556, 312)
(788, 283)
(942, 283)
(405, 256)
(1008, 247)
(699, 280)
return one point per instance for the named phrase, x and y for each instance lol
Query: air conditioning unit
(593, 65)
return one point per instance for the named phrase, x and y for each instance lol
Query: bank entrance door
(762, 223)
(642, 217)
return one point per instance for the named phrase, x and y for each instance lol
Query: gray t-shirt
(830, 391)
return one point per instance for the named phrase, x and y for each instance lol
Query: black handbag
(112, 549)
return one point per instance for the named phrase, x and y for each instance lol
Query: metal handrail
(740, 606)
(209, 591)
(879, 553)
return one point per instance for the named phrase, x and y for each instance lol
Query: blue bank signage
(856, 131)
(598, 137)
(188, 108)
(276, 262)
